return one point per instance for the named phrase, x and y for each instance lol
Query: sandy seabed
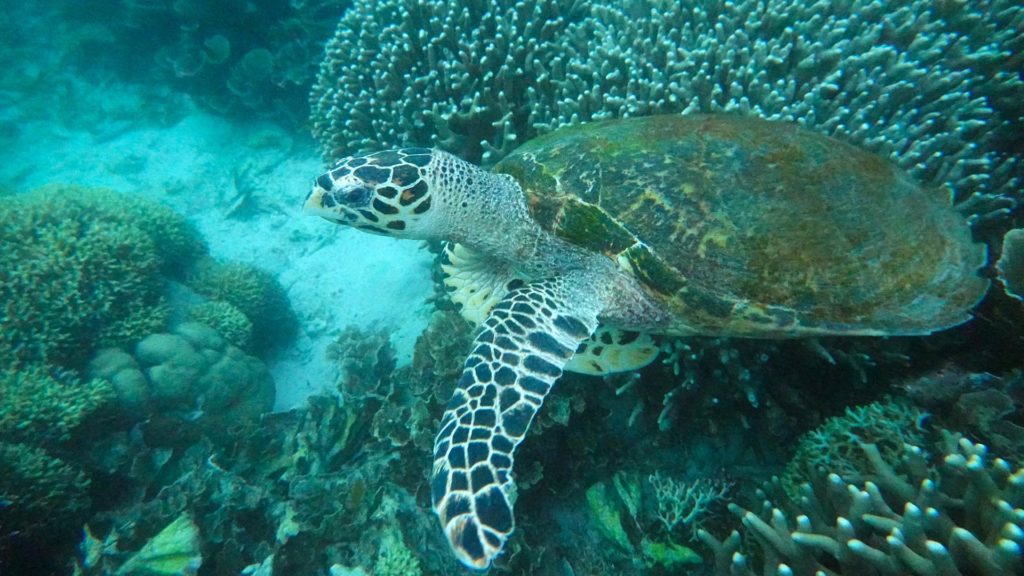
(242, 184)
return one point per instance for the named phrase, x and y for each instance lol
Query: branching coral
(962, 516)
(82, 267)
(625, 514)
(456, 75)
(40, 409)
(39, 492)
(682, 503)
(255, 293)
(931, 84)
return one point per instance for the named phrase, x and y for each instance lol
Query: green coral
(227, 320)
(617, 510)
(836, 444)
(194, 366)
(38, 491)
(38, 408)
(82, 268)
(959, 514)
(255, 293)
(395, 558)
(41, 494)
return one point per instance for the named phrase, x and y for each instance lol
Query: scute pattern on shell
(752, 228)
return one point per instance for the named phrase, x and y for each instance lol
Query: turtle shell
(746, 227)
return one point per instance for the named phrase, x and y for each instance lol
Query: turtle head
(422, 194)
(385, 193)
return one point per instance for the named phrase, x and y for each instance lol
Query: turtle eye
(355, 195)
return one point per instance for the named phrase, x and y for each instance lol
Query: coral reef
(174, 551)
(255, 293)
(40, 495)
(980, 404)
(193, 373)
(81, 268)
(836, 444)
(41, 409)
(961, 516)
(1011, 263)
(252, 58)
(633, 514)
(227, 320)
(930, 84)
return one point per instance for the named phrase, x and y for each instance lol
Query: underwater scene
(525, 287)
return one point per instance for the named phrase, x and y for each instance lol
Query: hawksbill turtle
(580, 244)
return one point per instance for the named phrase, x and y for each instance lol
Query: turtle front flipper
(520, 351)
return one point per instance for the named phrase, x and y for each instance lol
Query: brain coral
(936, 85)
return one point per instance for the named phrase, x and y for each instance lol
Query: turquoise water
(199, 377)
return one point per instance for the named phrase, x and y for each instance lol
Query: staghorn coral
(631, 514)
(933, 85)
(962, 516)
(681, 503)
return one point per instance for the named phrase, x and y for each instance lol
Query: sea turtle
(711, 224)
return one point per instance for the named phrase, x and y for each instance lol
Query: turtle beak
(320, 202)
(315, 200)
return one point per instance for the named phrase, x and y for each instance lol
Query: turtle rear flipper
(520, 351)
(610, 350)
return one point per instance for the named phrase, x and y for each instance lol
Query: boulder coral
(192, 372)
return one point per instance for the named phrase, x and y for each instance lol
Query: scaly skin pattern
(516, 358)
(527, 337)
(683, 225)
